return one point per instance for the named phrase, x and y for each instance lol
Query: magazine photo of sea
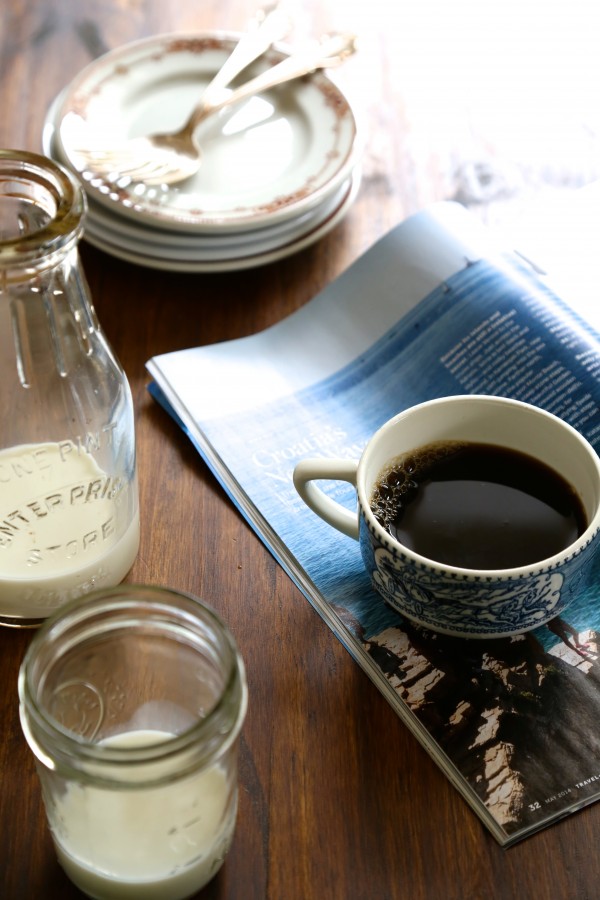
(513, 722)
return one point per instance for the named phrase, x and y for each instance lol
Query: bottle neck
(41, 215)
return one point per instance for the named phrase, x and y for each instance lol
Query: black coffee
(478, 506)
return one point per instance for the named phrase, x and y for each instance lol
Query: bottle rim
(66, 206)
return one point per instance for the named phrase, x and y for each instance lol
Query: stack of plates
(278, 172)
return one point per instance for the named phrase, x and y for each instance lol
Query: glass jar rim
(70, 207)
(203, 742)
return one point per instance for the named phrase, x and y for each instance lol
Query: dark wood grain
(338, 800)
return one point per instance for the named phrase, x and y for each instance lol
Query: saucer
(200, 248)
(147, 255)
(275, 157)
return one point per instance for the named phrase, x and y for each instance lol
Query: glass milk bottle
(69, 519)
(132, 701)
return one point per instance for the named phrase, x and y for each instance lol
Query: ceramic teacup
(465, 602)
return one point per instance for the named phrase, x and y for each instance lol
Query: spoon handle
(270, 24)
(329, 52)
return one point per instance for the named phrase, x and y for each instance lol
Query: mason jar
(69, 520)
(132, 702)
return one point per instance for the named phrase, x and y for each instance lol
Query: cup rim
(508, 574)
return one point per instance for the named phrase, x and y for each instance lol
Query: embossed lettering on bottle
(59, 523)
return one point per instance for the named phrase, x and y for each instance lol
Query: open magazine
(430, 310)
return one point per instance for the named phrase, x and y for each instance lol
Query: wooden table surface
(338, 800)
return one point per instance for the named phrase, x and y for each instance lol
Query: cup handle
(310, 470)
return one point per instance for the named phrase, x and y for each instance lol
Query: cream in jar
(160, 843)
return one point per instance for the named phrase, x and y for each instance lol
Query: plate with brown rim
(273, 158)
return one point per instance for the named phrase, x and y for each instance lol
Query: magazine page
(336, 326)
(424, 313)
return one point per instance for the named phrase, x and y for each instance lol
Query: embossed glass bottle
(69, 518)
(132, 701)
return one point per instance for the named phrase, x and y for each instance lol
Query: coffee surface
(477, 506)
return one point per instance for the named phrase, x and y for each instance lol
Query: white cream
(160, 843)
(60, 528)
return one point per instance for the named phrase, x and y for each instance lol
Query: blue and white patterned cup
(459, 601)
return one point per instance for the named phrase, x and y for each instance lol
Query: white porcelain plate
(272, 158)
(177, 263)
(205, 248)
(108, 224)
